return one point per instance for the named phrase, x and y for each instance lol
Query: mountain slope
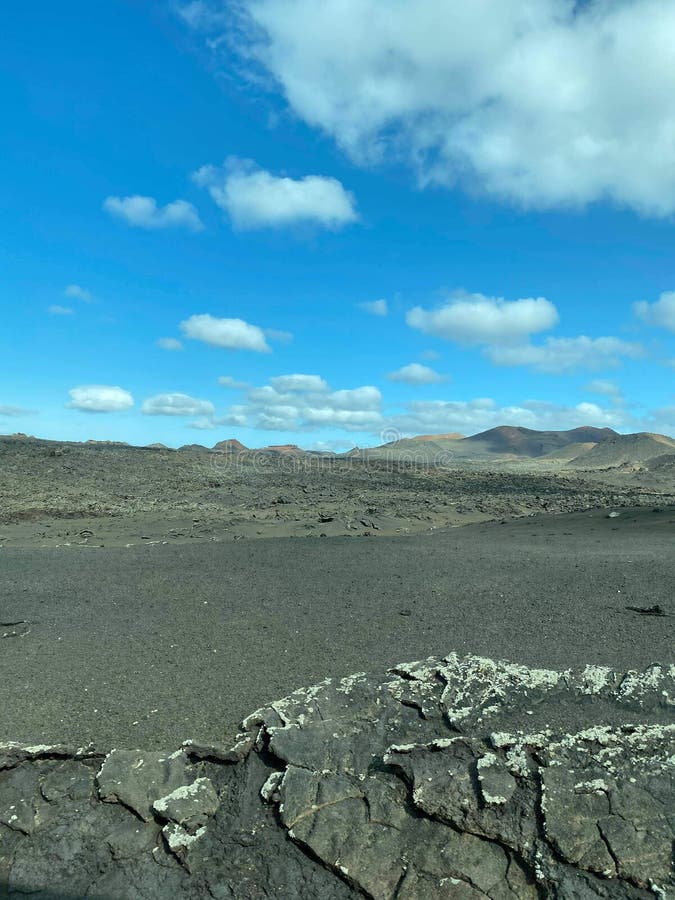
(525, 442)
(622, 449)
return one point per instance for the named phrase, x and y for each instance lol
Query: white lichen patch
(595, 786)
(486, 762)
(40, 749)
(442, 743)
(493, 799)
(595, 678)
(270, 789)
(184, 792)
(517, 762)
(637, 684)
(403, 748)
(536, 739)
(420, 670)
(347, 685)
(179, 840)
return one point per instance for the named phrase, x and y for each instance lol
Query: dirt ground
(146, 646)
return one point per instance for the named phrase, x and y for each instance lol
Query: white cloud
(75, 292)
(143, 212)
(101, 398)
(56, 310)
(305, 403)
(203, 424)
(298, 383)
(176, 404)
(415, 373)
(545, 103)
(229, 382)
(558, 355)
(375, 307)
(661, 314)
(254, 198)
(360, 410)
(169, 343)
(235, 334)
(477, 319)
(367, 398)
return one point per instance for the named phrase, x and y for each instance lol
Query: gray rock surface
(451, 778)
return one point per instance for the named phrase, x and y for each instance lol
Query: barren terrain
(54, 494)
(151, 597)
(138, 611)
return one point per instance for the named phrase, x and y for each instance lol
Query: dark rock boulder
(455, 777)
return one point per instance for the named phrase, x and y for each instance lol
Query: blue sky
(434, 224)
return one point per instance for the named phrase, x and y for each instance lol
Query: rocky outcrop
(452, 778)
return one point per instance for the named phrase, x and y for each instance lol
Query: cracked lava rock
(458, 778)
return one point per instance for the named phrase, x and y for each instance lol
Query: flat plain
(149, 596)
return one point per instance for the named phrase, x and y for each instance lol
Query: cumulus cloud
(477, 319)
(375, 307)
(559, 355)
(176, 404)
(100, 398)
(75, 292)
(361, 410)
(306, 403)
(143, 212)
(204, 424)
(298, 383)
(415, 373)
(661, 313)
(549, 103)
(229, 382)
(56, 310)
(169, 343)
(254, 198)
(234, 334)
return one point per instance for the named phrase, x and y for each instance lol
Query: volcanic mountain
(509, 439)
(503, 442)
(232, 445)
(623, 449)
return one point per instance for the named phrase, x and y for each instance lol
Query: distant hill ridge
(583, 447)
(504, 441)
